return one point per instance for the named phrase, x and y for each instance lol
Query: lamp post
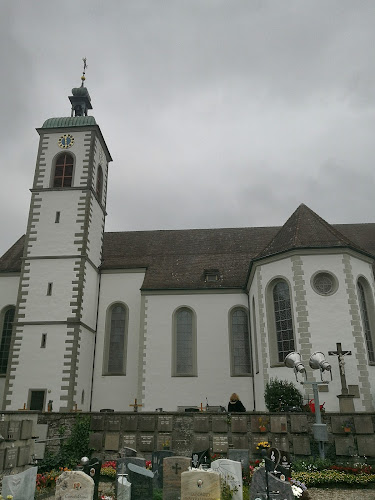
(316, 361)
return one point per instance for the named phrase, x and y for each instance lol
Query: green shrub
(280, 394)
(333, 478)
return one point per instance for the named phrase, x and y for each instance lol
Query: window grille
(6, 339)
(240, 343)
(63, 171)
(283, 319)
(366, 322)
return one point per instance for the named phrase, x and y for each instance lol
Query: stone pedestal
(346, 403)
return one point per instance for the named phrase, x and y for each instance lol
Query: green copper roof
(70, 121)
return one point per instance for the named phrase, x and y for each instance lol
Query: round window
(324, 283)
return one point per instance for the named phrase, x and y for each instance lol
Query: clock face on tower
(66, 141)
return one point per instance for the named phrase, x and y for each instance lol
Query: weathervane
(83, 78)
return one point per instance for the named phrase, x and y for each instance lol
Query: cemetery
(185, 455)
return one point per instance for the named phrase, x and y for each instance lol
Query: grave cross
(340, 356)
(176, 468)
(135, 405)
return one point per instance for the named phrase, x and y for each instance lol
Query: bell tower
(55, 321)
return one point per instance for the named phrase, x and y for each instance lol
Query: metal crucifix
(340, 356)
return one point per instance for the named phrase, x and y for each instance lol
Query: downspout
(96, 333)
(251, 350)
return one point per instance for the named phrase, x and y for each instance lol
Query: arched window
(63, 171)
(99, 183)
(240, 342)
(116, 340)
(184, 361)
(366, 306)
(7, 323)
(283, 320)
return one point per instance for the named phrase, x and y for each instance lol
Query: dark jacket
(235, 406)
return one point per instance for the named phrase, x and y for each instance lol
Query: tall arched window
(116, 340)
(63, 176)
(99, 183)
(366, 306)
(7, 323)
(283, 322)
(240, 342)
(184, 343)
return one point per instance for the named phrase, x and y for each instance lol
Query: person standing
(235, 404)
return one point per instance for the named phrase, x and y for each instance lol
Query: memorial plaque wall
(147, 423)
(165, 423)
(147, 442)
(220, 444)
(26, 429)
(97, 422)
(14, 430)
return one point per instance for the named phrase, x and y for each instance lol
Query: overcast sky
(217, 113)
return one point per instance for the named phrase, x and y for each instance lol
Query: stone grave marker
(129, 441)
(165, 423)
(201, 442)
(141, 480)
(14, 430)
(147, 442)
(157, 466)
(129, 422)
(4, 429)
(112, 441)
(123, 488)
(201, 458)
(220, 444)
(147, 423)
(92, 469)
(198, 484)
(239, 455)
(201, 423)
(10, 459)
(164, 441)
(220, 424)
(97, 423)
(363, 424)
(23, 456)
(26, 429)
(345, 445)
(278, 489)
(240, 442)
(74, 485)
(113, 423)
(96, 441)
(2, 454)
(279, 424)
(239, 423)
(366, 445)
(231, 472)
(173, 468)
(281, 442)
(21, 486)
(285, 465)
(301, 445)
(299, 423)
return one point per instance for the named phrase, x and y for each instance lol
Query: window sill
(278, 364)
(241, 375)
(184, 375)
(113, 374)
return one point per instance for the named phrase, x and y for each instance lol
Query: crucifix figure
(176, 468)
(340, 356)
(135, 405)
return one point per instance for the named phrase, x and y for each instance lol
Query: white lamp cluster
(317, 361)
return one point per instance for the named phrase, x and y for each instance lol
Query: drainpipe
(96, 333)
(251, 350)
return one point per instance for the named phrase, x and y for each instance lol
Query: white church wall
(214, 381)
(118, 392)
(8, 290)
(53, 238)
(40, 306)
(47, 364)
(85, 366)
(95, 233)
(90, 296)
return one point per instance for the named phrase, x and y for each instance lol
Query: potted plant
(347, 426)
(262, 424)
(263, 445)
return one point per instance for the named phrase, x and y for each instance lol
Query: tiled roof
(69, 121)
(178, 259)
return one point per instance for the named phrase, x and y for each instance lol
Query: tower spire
(81, 100)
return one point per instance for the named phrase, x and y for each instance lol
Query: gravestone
(2, 454)
(231, 472)
(164, 441)
(129, 441)
(14, 430)
(26, 429)
(363, 424)
(21, 486)
(96, 441)
(366, 445)
(281, 442)
(157, 466)
(141, 480)
(201, 423)
(220, 424)
(285, 465)
(299, 423)
(112, 441)
(278, 489)
(345, 446)
(92, 469)
(301, 445)
(97, 423)
(147, 423)
(239, 455)
(198, 484)
(113, 423)
(239, 423)
(123, 488)
(201, 442)
(10, 459)
(146, 442)
(173, 468)
(4, 429)
(23, 456)
(220, 444)
(279, 424)
(165, 423)
(129, 422)
(201, 458)
(240, 442)
(74, 485)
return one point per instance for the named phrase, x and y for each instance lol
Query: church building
(91, 320)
